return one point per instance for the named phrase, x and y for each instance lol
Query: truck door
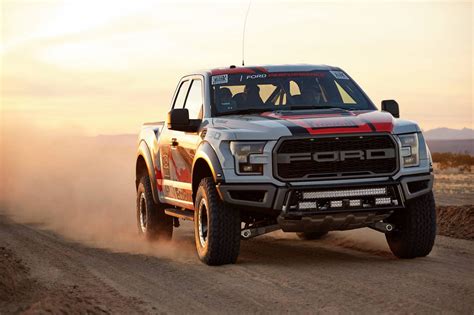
(180, 147)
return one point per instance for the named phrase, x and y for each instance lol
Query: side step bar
(181, 214)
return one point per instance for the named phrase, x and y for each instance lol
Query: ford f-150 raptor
(249, 150)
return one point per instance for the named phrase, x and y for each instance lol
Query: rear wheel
(216, 226)
(311, 235)
(415, 228)
(152, 221)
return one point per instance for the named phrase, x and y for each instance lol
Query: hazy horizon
(107, 67)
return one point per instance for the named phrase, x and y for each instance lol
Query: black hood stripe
(295, 129)
(371, 126)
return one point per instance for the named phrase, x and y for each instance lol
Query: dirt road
(82, 188)
(345, 272)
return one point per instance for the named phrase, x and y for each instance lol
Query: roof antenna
(243, 33)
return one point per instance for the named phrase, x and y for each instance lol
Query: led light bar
(336, 203)
(355, 203)
(307, 205)
(344, 193)
(383, 201)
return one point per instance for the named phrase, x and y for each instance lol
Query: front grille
(336, 157)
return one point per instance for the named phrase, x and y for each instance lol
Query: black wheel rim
(143, 212)
(202, 222)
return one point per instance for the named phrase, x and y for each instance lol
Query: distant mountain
(449, 134)
(453, 146)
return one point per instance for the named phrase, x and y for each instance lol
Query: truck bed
(156, 123)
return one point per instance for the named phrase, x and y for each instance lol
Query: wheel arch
(144, 165)
(205, 164)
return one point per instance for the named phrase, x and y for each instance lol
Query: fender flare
(206, 151)
(144, 152)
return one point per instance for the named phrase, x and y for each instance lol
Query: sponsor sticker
(256, 76)
(219, 79)
(339, 75)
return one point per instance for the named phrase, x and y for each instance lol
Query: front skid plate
(331, 221)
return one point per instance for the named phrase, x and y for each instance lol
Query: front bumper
(356, 204)
(271, 197)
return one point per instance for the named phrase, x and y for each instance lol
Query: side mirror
(392, 107)
(178, 119)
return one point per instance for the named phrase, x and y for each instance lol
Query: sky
(105, 67)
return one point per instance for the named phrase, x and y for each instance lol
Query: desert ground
(345, 272)
(454, 187)
(68, 244)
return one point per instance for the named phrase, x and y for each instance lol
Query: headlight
(242, 152)
(410, 150)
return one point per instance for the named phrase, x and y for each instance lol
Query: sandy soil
(76, 293)
(453, 187)
(345, 272)
(456, 221)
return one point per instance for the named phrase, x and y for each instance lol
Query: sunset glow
(107, 66)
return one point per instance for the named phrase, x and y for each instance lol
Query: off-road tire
(415, 228)
(223, 227)
(311, 235)
(159, 226)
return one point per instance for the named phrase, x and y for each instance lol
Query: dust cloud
(78, 186)
(363, 240)
(83, 188)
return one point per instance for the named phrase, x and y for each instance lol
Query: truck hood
(275, 124)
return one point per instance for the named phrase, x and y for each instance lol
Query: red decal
(382, 122)
(232, 71)
(302, 116)
(313, 128)
(384, 126)
(159, 179)
(261, 69)
(339, 123)
(297, 74)
(182, 174)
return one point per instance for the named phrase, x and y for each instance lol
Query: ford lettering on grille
(332, 157)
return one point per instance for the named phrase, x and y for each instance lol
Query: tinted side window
(194, 100)
(183, 91)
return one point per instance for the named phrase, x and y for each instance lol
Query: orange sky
(107, 66)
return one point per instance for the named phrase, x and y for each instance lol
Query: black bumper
(271, 197)
(285, 202)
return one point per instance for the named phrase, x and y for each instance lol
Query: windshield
(269, 91)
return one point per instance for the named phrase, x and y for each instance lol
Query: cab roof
(266, 68)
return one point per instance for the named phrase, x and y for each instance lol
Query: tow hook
(382, 227)
(253, 232)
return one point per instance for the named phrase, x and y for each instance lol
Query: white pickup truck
(249, 150)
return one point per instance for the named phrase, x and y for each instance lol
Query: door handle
(174, 142)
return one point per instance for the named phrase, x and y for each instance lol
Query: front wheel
(216, 226)
(415, 228)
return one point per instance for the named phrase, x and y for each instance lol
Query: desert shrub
(461, 161)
